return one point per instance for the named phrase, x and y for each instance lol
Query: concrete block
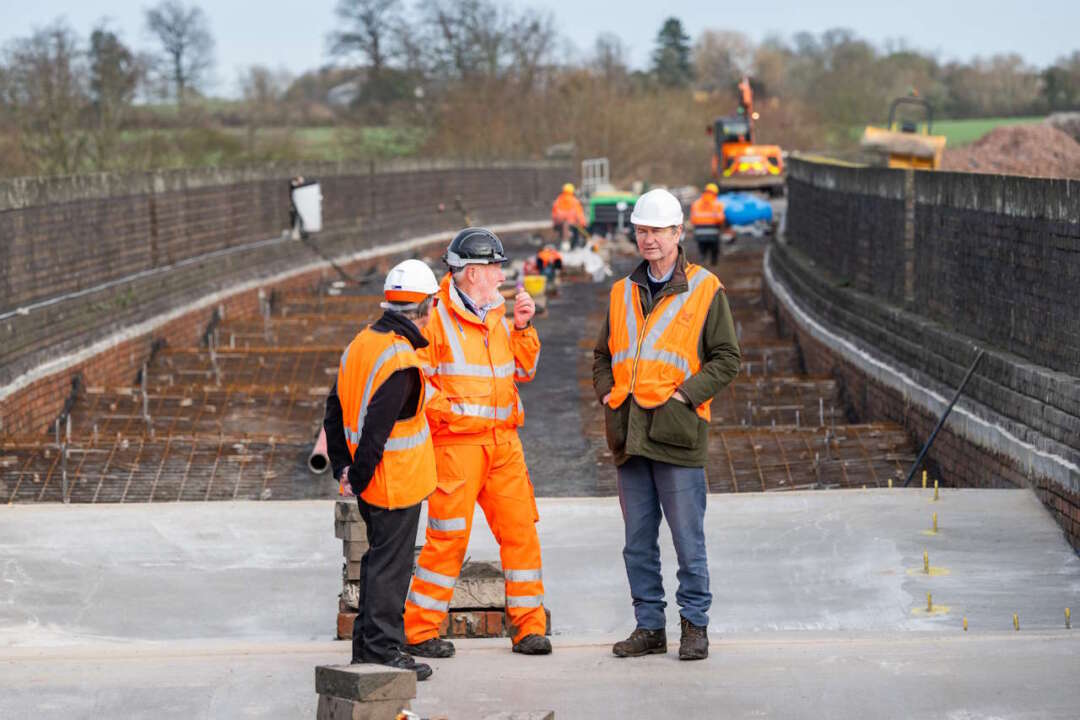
(350, 593)
(479, 586)
(350, 531)
(353, 570)
(347, 510)
(339, 528)
(367, 682)
(353, 550)
(335, 708)
(529, 715)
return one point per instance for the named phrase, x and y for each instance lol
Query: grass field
(964, 132)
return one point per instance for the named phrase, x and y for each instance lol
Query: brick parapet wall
(239, 215)
(996, 258)
(894, 365)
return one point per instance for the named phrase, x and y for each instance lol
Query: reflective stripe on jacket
(474, 366)
(707, 210)
(406, 473)
(652, 355)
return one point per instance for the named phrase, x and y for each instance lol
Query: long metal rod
(930, 440)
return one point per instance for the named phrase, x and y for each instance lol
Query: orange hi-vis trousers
(495, 476)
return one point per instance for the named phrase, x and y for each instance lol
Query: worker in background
(377, 437)
(567, 216)
(549, 262)
(474, 360)
(707, 217)
(667, 347)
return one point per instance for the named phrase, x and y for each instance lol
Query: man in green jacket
(655, 383)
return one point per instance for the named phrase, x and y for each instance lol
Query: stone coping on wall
(874, 337)
(1016, 196)
(24, 192)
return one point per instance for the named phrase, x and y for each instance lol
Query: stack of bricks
(363, 692)
(349, 527)
(477, 610)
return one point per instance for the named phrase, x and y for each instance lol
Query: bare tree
(531, 37)
(369, 27)
(610, 58)
(45, 83)
(721, 58)
(186, 43)
(263, 90)
(114, 74)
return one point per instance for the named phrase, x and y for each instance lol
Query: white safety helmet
(409, 283)
(657, 208)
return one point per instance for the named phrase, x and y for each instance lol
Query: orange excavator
(738, 163)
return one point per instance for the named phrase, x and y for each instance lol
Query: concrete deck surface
(224, 609)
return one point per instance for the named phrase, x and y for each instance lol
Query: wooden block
(365, 682)
(335, 708)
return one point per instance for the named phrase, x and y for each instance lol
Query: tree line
(475, 78)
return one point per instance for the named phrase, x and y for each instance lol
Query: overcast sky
(291, 35)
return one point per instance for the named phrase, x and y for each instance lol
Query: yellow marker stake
(965, 624)
(923, 479)
(935, 522)
(1068, 619)
(1016, 621)
(926, 562)
(936, 496)
(890, 483)
(929, 603)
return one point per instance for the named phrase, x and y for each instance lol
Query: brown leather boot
(694, 644)
(642, 642)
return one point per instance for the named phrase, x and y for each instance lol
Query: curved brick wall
(891, 278)
(85, 258)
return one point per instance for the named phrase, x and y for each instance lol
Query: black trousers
(385, 572)
(708, 242)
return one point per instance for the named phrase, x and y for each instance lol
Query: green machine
(609, 212)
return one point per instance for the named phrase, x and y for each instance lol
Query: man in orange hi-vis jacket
(474, 360)
(707, 217)
(568, 214)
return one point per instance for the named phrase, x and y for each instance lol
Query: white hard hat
(410, 281)
(657, 208)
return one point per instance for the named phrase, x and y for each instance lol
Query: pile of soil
(1039, 150)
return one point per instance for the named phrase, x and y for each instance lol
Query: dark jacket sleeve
(602, 377)
(719, 352)
(336, 449)
(397, 398)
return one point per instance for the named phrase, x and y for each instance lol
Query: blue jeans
(648, 490)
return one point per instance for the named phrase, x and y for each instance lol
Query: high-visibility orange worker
(668, 346)
(707, 217)
(474, 360)
(568, 215)
(549, 261)
(377, 435)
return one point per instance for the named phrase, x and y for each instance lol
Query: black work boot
(694, 644)
(404, 661)
(533, 644)
(642, 642)
(432, 648)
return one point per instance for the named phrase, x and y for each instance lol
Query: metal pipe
(319, 461)
(944, 416)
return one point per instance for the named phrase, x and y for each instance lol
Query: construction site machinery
(905, 143)
(738, 162)
(609, 212)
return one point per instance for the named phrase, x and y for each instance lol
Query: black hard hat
(474, 246)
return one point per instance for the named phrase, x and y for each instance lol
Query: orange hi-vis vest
(707, 210)
(474, 366)
(568, 209)
(651, 356)
(406, 473)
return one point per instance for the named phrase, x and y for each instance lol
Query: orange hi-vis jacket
(567, 208)
(406, 473)
(651, 356)
(707, 210)
(475, 365)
